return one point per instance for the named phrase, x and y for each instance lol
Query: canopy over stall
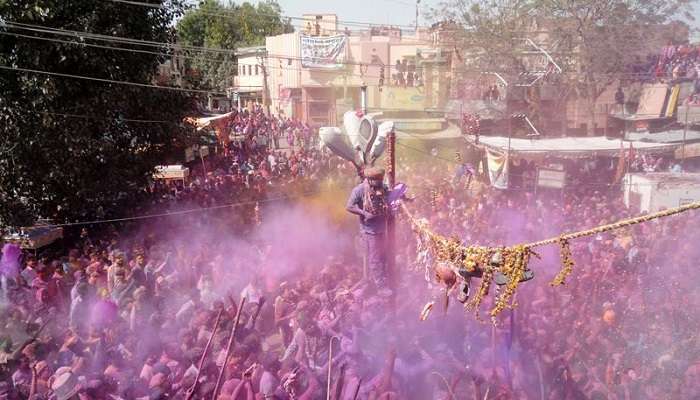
(671, 136)
(500, 150)
(35, 237)
(171, 172)
(566, 147)
(219, 123)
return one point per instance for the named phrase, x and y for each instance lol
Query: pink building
(318, 77)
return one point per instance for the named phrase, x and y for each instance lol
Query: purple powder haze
(9, 264)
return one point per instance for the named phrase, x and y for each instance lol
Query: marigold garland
(567, 262)
(515, 262)
(468, 261)
(486, 279)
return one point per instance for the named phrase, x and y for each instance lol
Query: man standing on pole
(368, 200)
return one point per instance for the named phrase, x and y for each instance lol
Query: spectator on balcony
(491, 94)
(399, 73)
(404, 70)
(620, 99)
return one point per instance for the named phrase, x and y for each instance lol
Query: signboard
(171, 172)
(551, 178)
(403, 98)
(326, 52)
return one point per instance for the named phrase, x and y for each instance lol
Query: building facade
(249, 82)
(317, 78)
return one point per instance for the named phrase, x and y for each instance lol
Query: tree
(226, 27)
(600, 38)
(491, 35)
(71, 149)
(595, 39)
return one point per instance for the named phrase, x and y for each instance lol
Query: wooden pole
(192, 389)
(261, 302)
(266, 88)
(540, 378)
(204, 166)
(391, 221)
(228, 349)
(493, 348)
(607, 113)
(685, 132)
(357, 389)
(330, 366)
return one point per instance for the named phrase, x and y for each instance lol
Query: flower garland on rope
(458, 263)
(452, 262)
(567, 261)
(515, 262)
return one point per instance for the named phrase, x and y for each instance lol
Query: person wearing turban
(368, 200)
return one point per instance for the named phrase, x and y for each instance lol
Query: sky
(394, 12)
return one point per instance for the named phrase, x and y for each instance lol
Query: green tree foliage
(227, 27)
(68, 148)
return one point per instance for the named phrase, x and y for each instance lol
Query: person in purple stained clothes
(368, 200)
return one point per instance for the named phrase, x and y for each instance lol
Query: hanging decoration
(448, 262)
(567, 262)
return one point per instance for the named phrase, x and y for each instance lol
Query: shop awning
(567, 147)
(674, 136)
(218, 123)
(206, 122)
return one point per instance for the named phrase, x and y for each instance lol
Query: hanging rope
(512, 261)
(618, 225)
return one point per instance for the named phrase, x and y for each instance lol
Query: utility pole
(417, 7)
(685, 133)
(510, 133)
(506, 167)
(363, 98)
(266, 88)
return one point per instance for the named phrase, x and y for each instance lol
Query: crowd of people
(678, 62)
(264, 130)
(674, 62)
(147, 310)
(266, 157)
(607, 334)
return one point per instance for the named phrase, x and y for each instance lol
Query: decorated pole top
(361, 140)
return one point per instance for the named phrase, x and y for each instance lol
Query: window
(250, 70)
(242, 69)
(256, 70)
